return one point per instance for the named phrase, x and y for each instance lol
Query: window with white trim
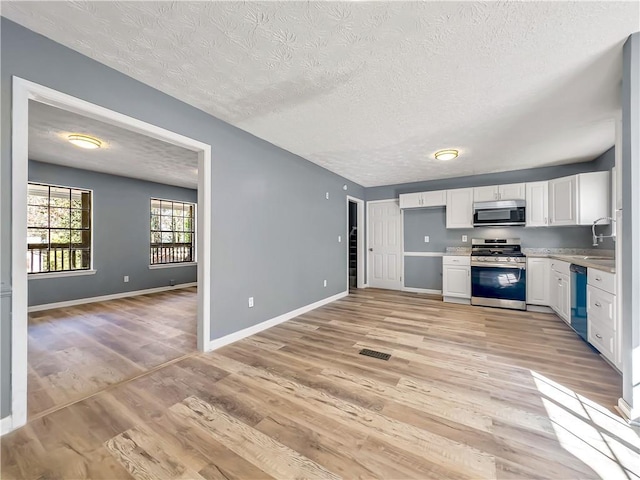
(172, 232)
(59, 229)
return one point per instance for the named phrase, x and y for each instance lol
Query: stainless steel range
(498, 273)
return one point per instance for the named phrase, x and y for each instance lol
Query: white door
(537, 204)
(385, 245)
(485, 194)
(512, 191)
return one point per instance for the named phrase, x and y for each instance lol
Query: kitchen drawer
(560, 266)
(601, 307)
(603, 280)
(603, 339)
(456, 260)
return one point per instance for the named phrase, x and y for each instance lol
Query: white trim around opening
(359, 240)
(23, 91)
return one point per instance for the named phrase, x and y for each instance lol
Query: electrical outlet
(339, 238)
(250, 302)
(325, 283)
(464, 238)
(327, 195)
(426, 239)
(126, 278)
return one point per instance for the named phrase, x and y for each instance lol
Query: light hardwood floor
(76, 351)
(469, 392)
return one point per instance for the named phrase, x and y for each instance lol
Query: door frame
(395, 200)
(359, 241)
(23, 91)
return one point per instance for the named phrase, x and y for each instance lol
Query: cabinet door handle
(597, 304)
(598, 335)
(598, 279)
(545, 221)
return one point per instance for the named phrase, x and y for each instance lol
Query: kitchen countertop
(605, 265)
(601, 259)
(591, 258)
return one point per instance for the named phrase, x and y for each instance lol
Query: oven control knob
(509, 259)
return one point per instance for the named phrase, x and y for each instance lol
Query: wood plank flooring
(468, 393)
(76, 351)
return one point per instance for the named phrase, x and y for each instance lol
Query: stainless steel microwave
(500, 213)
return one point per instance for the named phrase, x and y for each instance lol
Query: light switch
(339, 238)
(250, 302)
(426, 239)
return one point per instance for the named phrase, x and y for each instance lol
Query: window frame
(64, 273)
(194, 254)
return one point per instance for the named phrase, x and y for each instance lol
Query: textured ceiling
(122, 153)
(370, 90)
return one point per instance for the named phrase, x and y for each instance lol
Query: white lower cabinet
(604, 331)
(538, 272)
(560, 289)
(456, 278)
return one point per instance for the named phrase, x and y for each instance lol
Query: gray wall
(120, 235)
(631, 222)
(274, 234)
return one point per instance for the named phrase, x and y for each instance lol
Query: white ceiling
(122, 153)
(370, 90)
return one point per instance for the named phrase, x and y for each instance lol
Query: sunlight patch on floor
(589, 431)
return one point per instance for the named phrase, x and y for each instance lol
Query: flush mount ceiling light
(84, 141)
(446, 154)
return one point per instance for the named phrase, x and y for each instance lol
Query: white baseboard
(539, 309)
(632, 416)
(366, 285)
(6, 425)
(104, 298)
(247, 332)
(460, 301)
(422, 290)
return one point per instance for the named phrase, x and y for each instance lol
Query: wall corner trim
(631, 416)
(247, 332)
(104, 298)
(6, 425)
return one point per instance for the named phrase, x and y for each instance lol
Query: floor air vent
(374, 354)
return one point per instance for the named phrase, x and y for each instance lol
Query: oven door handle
(519, 266)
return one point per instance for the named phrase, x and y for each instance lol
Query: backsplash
(431, 222)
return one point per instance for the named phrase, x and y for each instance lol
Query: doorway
(24, 92)
(355, 243)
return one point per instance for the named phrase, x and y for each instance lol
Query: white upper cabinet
(537, 204)
(410, 200)
(562, 198)
(579, 199)
(460, 208)
(485, 194)
(436, 198)
(513, 191)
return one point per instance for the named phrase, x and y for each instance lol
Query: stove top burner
(508, 249)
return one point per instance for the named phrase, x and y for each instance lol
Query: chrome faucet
(599, 238)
